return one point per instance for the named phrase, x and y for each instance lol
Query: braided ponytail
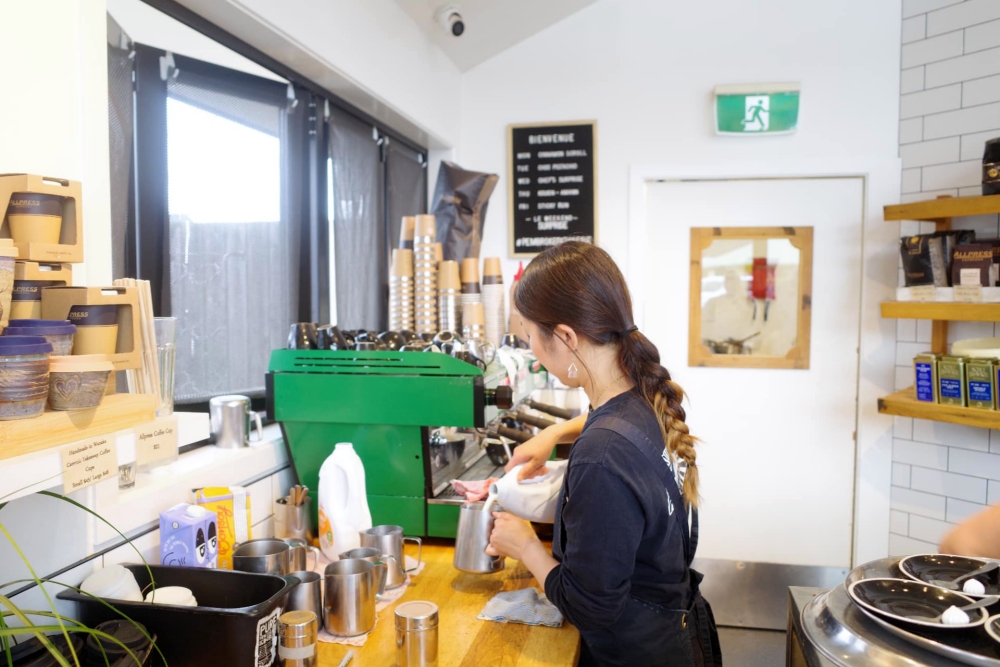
(640, 360)
(579, 285)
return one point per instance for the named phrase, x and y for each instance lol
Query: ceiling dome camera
(450, 19)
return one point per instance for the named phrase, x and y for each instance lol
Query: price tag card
(88, 462)
(969, 293)
(156, 440)
(922, 293)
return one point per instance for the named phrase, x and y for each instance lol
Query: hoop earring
(572, 373)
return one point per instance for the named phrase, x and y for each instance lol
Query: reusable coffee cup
(35, 218)
(96, 328)
(26, 300)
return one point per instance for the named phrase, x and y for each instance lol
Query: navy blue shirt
(616, 533)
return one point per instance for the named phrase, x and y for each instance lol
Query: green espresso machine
(417, 420)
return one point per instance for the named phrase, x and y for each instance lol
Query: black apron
(648, 634)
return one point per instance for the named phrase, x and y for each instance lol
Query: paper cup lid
(76, 367)
(16, 345)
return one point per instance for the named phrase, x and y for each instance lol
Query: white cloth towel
(528, 606)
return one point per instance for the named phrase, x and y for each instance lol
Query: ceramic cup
(34, 218)
(96, 328)
(78, 383)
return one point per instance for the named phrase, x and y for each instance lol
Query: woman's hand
(535, 452)
(511, 536)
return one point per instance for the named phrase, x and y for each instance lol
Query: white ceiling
(491, 26)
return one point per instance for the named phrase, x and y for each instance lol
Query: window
(248, 208)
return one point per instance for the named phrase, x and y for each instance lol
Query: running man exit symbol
(757, 112)
(750, 109)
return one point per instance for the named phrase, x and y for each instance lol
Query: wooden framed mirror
(751, 297)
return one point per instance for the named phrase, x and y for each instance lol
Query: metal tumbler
(263, 556)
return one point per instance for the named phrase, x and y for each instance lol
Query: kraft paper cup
(96, 328)
(34, 218)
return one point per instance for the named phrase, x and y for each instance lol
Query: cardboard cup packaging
(96, 328)
(26, 302)
(35, 218)
(231, 505)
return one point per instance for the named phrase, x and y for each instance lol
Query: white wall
(54, 115)
(149, 26)
(645, 70)
(370, 53)
(950, 104)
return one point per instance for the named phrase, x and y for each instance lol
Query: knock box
(70, 245)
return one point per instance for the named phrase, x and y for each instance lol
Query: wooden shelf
(942, 311)
(935, 210)
(116, 412)
(905, 404)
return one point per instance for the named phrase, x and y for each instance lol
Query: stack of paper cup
(425, 276)
(449, 288)
(406, 232)
(494, 295)
(470, 285)
(473, 321)
(401, 291)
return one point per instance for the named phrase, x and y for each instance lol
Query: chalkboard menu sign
(552, 185)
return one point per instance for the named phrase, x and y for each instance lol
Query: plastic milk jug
(343, 501)
(533, 499)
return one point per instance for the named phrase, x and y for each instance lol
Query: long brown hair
(579, 285)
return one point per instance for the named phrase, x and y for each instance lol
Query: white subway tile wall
(949, 106)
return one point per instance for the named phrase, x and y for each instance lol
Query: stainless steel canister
(417, 634)
(297, 631)
(951, 380)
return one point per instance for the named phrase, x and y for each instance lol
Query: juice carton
(189, 537)
(231, 505)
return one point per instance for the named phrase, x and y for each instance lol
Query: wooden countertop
(463, 640)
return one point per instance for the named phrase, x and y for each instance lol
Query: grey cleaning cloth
(528, 606)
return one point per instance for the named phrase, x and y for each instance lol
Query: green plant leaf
(38, 631)
(48, 598)
(139, 626)
(5, 643)
(80, 628)
(107, 523)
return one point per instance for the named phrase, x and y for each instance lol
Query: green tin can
(925, 380)
(951, 380)
(980, 383)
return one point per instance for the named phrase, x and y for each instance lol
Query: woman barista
(619, 568)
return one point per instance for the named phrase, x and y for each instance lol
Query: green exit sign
(757, 109)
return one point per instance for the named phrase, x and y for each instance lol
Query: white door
(778, 446)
